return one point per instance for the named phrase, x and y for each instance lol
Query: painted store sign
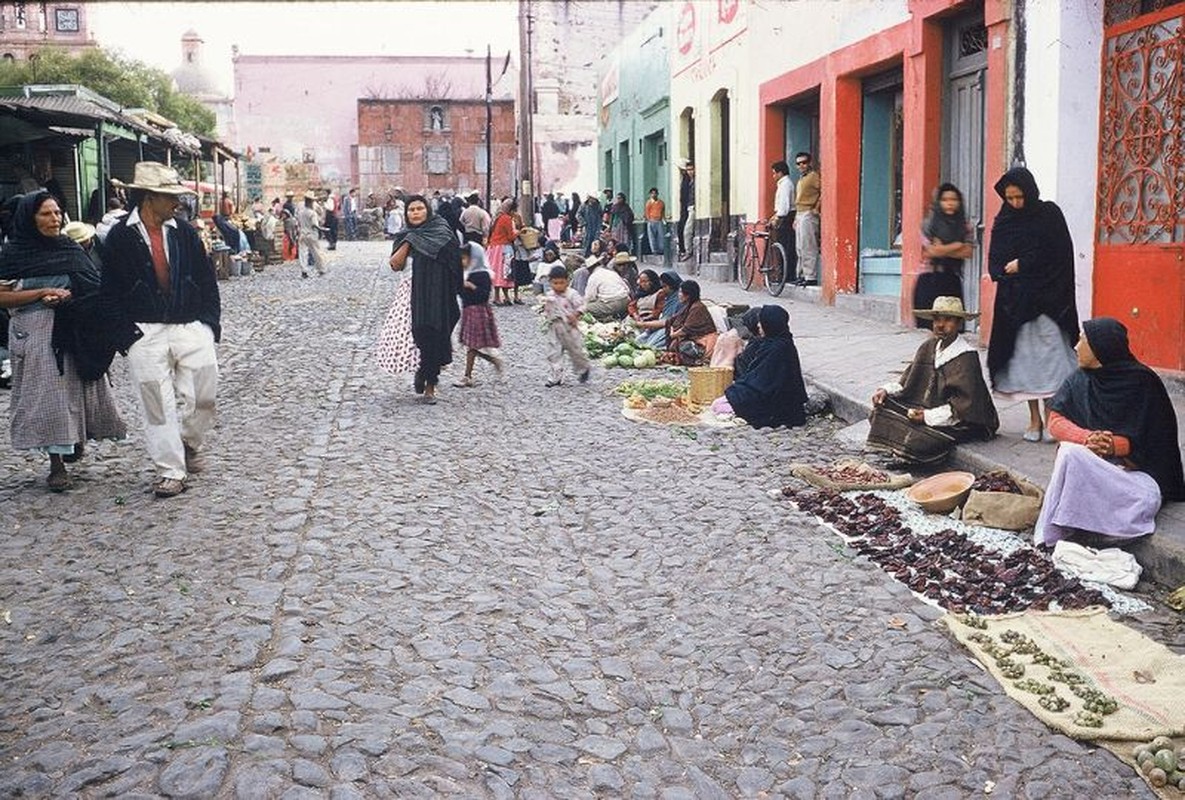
(704, 27)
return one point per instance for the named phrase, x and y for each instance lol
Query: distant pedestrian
(432, 246)
(350, 214)
(158, 276)
(655, 213)
(54, 409)
(562, 306)
(590, 216)
(686, 205)
(395, 219)
(331, 222)
(310, 244)
(782, 222)
(475, 221)
(291, 235)
(479, 329)
(947, 239)
(571, 220)
(806, 219)
(621, 222)
(550, 211)
(500, 252)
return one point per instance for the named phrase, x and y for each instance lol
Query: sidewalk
(848, 355)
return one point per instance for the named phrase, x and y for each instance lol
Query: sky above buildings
(151, 32)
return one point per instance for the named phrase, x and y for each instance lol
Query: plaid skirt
(50, 409)
(478, 328)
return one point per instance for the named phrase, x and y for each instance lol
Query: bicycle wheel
(775, 269)
(747, 267)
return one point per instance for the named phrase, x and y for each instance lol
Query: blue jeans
(654, 232)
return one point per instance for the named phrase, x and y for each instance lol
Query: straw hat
(683, 163)
(310, 195)
(152, 176)
(80, 232)
(945, 307)
(592, 261)
(623, 258)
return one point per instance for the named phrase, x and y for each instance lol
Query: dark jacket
(130, 289)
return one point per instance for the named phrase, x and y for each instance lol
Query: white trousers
(563, 339)
(806, 242)
(175, 369)
(310, 245)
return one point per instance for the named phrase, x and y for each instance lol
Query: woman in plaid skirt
(479, 331)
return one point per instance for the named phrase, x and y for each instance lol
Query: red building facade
(430, 145)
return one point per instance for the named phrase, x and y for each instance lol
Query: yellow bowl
(942, 493)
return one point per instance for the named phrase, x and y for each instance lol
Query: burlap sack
(1010, 512)
(1145, 677)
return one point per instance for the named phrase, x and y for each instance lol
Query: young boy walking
(561, 309)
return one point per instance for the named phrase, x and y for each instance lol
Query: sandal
(168, 487)
(464, 383)
(1032, 435)
(59, 481)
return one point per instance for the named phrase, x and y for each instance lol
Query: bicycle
(768, 259)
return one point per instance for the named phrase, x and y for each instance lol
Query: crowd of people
(140, 283)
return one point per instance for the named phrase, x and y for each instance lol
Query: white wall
(1061, 134)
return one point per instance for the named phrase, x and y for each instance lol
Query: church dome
(192, 77)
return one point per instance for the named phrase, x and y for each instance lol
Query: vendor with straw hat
(943, 388)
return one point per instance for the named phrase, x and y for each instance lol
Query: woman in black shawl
(1120, 459)
(771, 391)
(1035, 324)
(44, 278)
(947, 240)
(432, 244)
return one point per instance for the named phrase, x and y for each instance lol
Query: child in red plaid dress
(479, 331)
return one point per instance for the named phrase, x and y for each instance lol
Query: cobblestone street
(516, 592)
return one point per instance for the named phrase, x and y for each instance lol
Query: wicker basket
(708, 383)
(529, 237)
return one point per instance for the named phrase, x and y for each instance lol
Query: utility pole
(489, 130)
(526, 144)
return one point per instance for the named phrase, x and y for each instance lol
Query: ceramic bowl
(942, 493)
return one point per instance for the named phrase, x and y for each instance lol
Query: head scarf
(1127, 398)
(477, 258)
(946, 228)
(749, 322)
(775, 321)
(29, 254)
(430, 236)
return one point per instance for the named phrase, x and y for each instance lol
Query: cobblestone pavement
(516, 592)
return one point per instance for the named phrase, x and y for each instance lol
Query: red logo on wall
(726, 10)
(685, 33)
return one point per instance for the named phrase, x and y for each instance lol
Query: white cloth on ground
(1112, 566)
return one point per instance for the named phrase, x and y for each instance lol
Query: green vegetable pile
(1160, 763)
(652, 389)
(623, 354)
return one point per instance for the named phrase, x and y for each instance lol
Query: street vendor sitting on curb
(771, 392)
(943, 388)
(607, 296)
(1118, 460)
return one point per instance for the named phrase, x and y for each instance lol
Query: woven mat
(1146, 678)
(705, 418)
(811, 475)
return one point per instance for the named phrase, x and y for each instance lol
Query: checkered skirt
(47, 408)
(478, 328)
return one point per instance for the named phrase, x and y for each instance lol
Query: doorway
(962, 147)
(881, 161)
(721, 177)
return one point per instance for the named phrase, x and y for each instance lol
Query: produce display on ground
(614, 345)
(996, 481)
(947, 566)
(850, 474)
(1161, 763)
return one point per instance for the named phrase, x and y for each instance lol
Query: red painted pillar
(922, 159)
(840, 121)
(771, 146)
(996, 122)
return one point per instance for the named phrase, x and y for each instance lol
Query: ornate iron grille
(972, 40)
(1142, 136)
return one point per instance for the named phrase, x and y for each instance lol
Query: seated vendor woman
(647, 300)
(653, 331)
(943, 388)
(691, 333)
(770, 392)
(1119, 458)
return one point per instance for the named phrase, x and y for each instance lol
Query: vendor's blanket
(680, 416)
(850, 474)
(1145, 678)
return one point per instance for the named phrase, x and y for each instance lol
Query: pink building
(305, 108)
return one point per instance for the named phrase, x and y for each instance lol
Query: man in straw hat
(942, 389)
(158, 276)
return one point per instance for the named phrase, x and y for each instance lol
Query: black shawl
(946, 228)
(1038, 237)
(1127, 398)
(771, 391)
(436, 274)
(80, 328)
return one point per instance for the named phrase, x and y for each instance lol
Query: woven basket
(529, 237)
(708, 383)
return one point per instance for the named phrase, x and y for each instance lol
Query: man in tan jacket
(806, 220)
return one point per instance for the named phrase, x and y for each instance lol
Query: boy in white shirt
(561, 309)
